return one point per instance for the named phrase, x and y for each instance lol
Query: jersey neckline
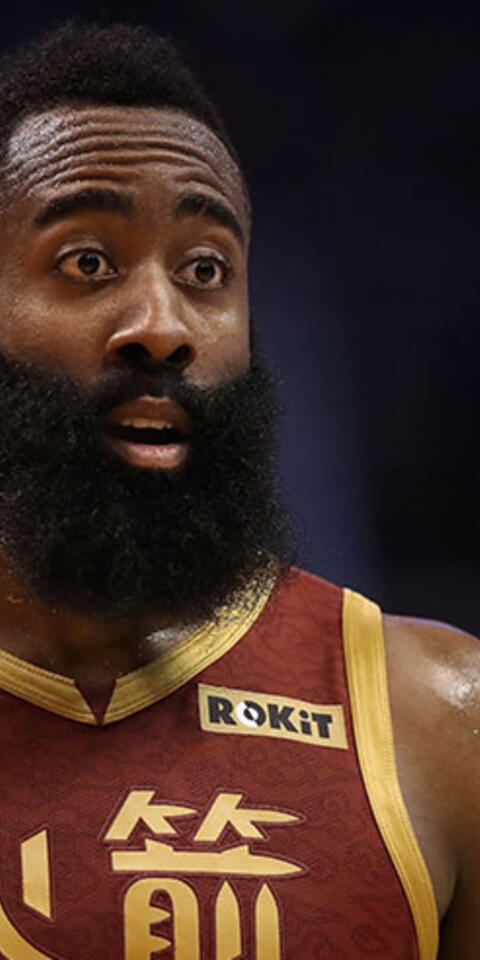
(134, 691)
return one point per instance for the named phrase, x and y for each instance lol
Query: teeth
(140, 423)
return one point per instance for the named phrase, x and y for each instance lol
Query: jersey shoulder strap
(367, 683)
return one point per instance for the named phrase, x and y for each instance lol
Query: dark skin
(168, 280)
(173, 281)
(434, 682)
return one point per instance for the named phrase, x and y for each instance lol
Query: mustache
(213, 411)
(124, 386)
(90, 403)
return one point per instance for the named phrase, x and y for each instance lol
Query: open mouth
(149, 432)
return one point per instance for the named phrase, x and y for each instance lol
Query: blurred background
(358, 128)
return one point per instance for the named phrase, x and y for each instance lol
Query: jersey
(237, 798)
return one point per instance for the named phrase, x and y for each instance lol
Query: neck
(89, 650)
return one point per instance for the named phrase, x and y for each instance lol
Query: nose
(150, 329)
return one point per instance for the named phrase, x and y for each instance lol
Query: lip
(166, 456)
(152, 408)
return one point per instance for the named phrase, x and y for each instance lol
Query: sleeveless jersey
(237, 798)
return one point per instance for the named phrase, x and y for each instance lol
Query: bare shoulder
(437, 667)
(434, 682)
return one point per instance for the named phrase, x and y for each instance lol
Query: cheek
(37, 331)
(39, 325)
(223, 347)
(224, 343)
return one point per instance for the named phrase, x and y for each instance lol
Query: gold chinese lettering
(227, 924)
(267, 925)
(225, 812)
(36, 873)
(138, 808)
(140, 914)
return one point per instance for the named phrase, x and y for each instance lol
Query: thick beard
(87, 531)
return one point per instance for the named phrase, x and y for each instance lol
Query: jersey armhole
(367, 683)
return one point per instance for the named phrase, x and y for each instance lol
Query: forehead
(119, 146)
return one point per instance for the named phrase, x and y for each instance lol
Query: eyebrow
(90, 198)
(199, 204)
(103, 198)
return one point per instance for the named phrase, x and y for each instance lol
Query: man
(197, 751)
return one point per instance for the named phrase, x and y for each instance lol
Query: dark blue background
(358, 128)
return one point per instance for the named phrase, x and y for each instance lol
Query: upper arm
(434, 681)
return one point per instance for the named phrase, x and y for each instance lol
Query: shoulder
(435, 668)
(434, 682)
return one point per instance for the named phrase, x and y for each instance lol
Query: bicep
(435, 693)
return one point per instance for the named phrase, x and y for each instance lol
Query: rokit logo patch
(223, 710)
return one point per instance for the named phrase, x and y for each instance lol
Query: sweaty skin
(434, 682)
(144, 290)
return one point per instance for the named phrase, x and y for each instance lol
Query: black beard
(86, 530)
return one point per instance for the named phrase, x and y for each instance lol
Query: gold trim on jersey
(52, 691)
(367, 683)
(134, 691)
(182, 661)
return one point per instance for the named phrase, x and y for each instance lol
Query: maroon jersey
(235, 799)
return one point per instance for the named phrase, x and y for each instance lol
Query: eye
(87, 264)
(208, 272)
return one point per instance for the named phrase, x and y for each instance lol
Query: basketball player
(205, 753)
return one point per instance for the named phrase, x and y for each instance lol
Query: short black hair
(87, 63)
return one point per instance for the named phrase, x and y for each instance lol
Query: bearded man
(198, 756)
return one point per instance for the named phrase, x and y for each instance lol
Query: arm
(434, 682)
